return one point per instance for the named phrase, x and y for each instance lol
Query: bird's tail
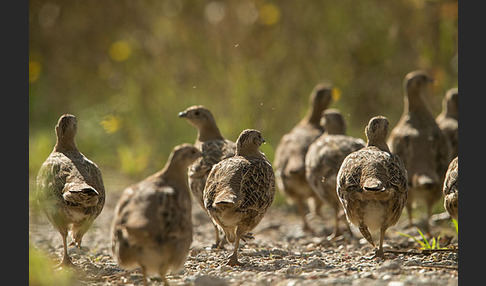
(80, 195)
(424, 181)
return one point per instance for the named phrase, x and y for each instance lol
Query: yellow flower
(111, 123)
(336, 94)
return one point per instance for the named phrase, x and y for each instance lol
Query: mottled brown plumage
(240, 189)
(447, 119)
(290, 153)
(419, 142)
(372, 184)
(451, 189)
(324, 158)
(152, 226)
(214, 148)
(70, 187)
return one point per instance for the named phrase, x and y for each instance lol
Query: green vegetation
(42, 272)
(126, 68)
(424, 243)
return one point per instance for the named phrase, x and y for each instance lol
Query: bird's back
(291, 151)
(372, 187)
(246, 183)
(71, 184)
(451, 188)
(368, 165)
(213, 151)
(324, 158)
(424, 149)
(152, 224)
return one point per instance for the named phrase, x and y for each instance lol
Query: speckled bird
(324, 158)
(447, 119)
(451, 189)
(290, 154)
(214, 148)
(70, 187)
(372, 184)
(152, 224)
(419, 142)
(240, 189)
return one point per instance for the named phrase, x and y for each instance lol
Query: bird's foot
(233, 261)
(65, 263)
(379, 253)
(218, 246)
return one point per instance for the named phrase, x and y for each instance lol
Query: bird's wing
(51, 179)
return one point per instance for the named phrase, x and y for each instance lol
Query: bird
(239, 190)
(372, 184)
(214, 148)
(324, 158)
(447, 119)
(419, 142)
(70, 187)
(451, 189)
(289, 162)
(152, 223)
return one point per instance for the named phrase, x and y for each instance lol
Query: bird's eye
(196, 113)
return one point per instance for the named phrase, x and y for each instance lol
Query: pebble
(283, 255)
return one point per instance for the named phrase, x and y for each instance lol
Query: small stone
(293, 270)
(315, 263)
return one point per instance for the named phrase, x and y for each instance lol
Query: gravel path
(280, 254)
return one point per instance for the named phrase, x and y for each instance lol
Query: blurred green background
(126, 68)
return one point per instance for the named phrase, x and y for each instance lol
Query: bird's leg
(162, 272)
(219, 243)
(66, 260)
(301, 210)
(409, 211)
(380, 253)
(366, 234)
(78, 233)
(336, 232)
(145, 281)
(233, 260)
(427, 220)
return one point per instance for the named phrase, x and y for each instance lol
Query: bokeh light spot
(269, 14)
(34, 71)
(120, 51)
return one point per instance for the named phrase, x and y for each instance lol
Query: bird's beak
(182, 114)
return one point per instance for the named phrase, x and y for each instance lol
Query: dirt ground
(280, 254)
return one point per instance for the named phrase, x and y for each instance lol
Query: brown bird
(290, 153)
(451, 189)
(447, 119)
(372, 184)
(419, 142)
(152, 226)
(70, 187)
(324, 158)
(240, 189)
(214, 148)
